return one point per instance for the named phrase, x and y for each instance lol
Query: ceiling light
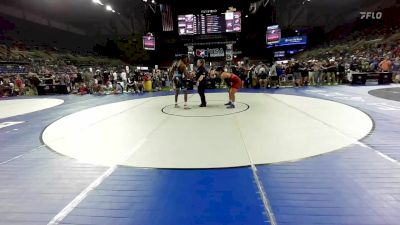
(109, 8)
(97, 2)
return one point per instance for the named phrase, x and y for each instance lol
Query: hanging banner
(229, 52)
(191, 54)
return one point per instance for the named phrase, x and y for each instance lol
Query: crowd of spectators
(290, 73)
(359, 46)
(23, 75)
(117, 80)
(81, 81)
(369, 57)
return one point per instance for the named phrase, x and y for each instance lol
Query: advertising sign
(210, 52)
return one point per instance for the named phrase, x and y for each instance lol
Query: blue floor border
(351, 186)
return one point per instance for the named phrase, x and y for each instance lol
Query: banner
(229, 52)
(210, 52)
(297, 40)
(166, 14)
(191, 54)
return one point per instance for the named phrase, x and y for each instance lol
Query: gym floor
(317, 155)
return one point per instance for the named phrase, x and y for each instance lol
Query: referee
(201, 74)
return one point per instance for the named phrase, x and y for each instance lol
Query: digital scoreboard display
(209, 23)
(233, 21)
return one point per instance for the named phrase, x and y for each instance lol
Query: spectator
(34, 82)
(19, 85)
(296, 69)
(156, 78)
(124, 79)
(131, 84)
(106, 77)
(83, 90)
(273, 76)
(304, 74)
(78, 80)
(139, 82)
(87, 78)
(68, 82)
(117, 88)
(341, 72)
(96, 84)
(385, 65)
(396, 70)
(114, 77)
(263, 76)
(331, 72)
(1, 87)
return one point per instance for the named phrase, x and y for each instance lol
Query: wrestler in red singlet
(234, 83)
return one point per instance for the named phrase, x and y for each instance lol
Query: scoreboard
(209, 23)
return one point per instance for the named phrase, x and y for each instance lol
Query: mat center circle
(214, 108)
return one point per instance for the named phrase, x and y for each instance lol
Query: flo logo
(371, 15)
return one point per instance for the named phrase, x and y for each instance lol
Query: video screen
(273, 34)
(228, 22)
(233, 21)
(289, 41)
(297, 40)
(149, 43)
